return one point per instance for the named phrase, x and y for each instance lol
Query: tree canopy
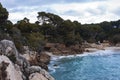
(52, 28)
(3, 14)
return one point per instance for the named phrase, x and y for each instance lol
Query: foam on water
(54, 58)
(97, 53)
(99, 65)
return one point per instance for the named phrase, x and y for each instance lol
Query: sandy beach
(105, 48)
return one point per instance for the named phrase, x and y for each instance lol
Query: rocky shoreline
(57, 49)
(61, 49)
(89, 47)
(33, 66)
(14, 66)
(88, 51)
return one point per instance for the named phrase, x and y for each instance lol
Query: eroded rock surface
(13, 66)
(11, 72)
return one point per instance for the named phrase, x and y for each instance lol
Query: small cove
(100, 65)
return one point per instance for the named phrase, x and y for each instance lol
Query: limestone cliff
(13, 66)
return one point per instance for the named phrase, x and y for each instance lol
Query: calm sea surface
(100, 65)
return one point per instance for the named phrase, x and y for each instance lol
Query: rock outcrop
(61, 49)
(13, 66)
(118, 45)
(36, 59)
(37, 76)
(41, 59)
(9, 72)
(3, 73)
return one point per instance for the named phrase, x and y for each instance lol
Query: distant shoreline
(62, 50)
(91, 50)
(105, 48)
(94, 50)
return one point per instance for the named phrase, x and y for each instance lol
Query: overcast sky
(84, 11)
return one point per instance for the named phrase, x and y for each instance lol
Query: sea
(99, 65)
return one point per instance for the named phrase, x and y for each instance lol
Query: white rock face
(36, 69)
(37, 76)
(12, 73)
(30, 56)
(22, 70)
(8, 48)
(46, 74)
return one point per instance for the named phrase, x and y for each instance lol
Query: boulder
(13, 66)
(118, 45)
(38, 59)
(32, 70)
(12, 72)
(37, 76)
(44, 58)
(46, 74)
(8, 48)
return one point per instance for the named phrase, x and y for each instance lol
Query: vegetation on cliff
(51, 28)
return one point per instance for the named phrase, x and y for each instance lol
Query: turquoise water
(102, 65)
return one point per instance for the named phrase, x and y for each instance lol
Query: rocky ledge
(61, 49)
(13, 66)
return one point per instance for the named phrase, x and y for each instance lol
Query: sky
(84, 11)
